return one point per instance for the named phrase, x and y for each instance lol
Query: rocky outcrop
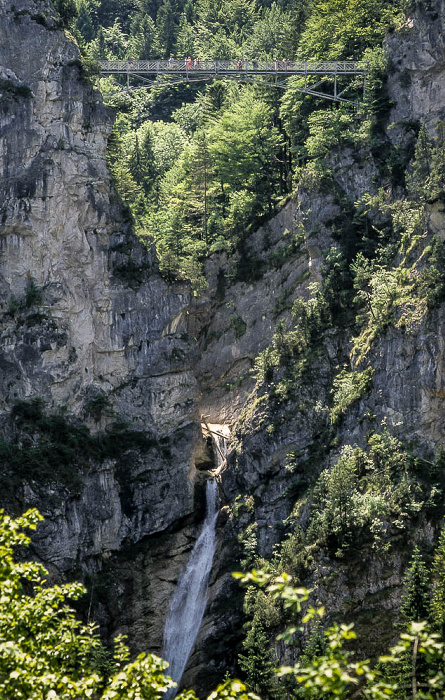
(416, 82)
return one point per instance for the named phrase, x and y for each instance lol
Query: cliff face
(77, 330)
(88, 325)
(406, 396)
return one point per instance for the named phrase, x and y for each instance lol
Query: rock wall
(407, 391)
(416, 81)
(75, 326)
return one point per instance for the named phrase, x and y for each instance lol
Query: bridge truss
(328, 79)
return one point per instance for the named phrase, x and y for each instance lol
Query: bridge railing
(234, 66)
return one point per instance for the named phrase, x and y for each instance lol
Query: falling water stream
(190, 597)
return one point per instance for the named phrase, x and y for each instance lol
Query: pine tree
(144, 39)
(437, 609)
(419, 179)
(141, 160)
(84, 23)
(259, 662)
(437, 189)
(412, 669)
(166, 25)
(415, 600)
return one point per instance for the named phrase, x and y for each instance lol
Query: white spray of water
(190, 597)
(220, 435)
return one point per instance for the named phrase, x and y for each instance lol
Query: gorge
(110, 371)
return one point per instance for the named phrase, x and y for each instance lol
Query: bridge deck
(320, 77)
(233, 68)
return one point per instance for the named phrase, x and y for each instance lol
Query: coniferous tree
(185, 41)
(419, 179)
(412, 669)
(437, 190)
(167, 27)
(84, 22)
(415, 600)
(437, 610)
(259, 662)
(144, 38)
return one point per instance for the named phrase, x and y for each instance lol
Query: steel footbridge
(332, 80)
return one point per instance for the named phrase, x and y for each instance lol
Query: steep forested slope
(225, 158)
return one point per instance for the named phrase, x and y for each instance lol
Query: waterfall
(190, 597)
(220, 436)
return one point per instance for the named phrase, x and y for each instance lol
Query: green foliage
(426, 180)
(335, 673)
(98, 406)
(327, 129)
(404, 280)
(273, 33)
(258, 662)
(67, 11)
(235, 149)
(291, 350)
(343, 31)
(437, 609)
(335, 518)
(33, 297)
(223, 179)
(315, 646)
(286, 363)
(239, 326)
(292, 554)
(232, 689)
(364, 491)
(348, 387)
(249, 543)
(8, 87)
(242, 504)
(332, 671)
(414, 604)
(46, 652)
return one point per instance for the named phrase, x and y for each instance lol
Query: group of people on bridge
(195, 64)
(187, 63)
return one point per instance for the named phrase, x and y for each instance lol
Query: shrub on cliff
(329, 668)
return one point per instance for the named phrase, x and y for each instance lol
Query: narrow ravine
(189, 600)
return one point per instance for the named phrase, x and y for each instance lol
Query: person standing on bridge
(275, 64)
(196, 64)
(189, 62)
(170, 63)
